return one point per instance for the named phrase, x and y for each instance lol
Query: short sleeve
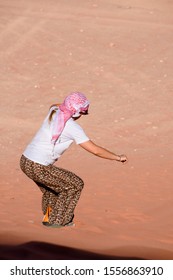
(76, 132)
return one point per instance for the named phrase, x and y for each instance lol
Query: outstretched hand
(123, 159)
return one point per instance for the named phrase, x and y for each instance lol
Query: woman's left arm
(91, 147)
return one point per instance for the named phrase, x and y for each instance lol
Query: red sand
(119, 53)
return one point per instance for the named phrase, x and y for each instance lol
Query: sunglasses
(84, 112)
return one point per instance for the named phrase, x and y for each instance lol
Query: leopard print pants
(61, 189)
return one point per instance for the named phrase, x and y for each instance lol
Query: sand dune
(119, 53)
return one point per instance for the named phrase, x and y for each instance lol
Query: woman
(61, 188)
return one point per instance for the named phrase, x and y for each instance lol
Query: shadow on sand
(46, 251)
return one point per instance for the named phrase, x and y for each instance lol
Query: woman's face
(78, 115)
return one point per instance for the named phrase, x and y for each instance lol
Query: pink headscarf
(73, 104)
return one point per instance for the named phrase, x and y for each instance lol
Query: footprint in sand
(134, 217)
(130, 216)
(89, 227)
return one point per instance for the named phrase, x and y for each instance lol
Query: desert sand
(119, 53)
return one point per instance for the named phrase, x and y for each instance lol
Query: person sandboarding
(61, 188)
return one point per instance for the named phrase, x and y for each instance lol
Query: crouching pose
(61, 189)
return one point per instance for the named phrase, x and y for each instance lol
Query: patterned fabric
(61, 189)
(73, 104)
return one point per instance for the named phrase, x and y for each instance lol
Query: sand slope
(119, 53)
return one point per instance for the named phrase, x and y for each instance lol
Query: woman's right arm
(91, 147)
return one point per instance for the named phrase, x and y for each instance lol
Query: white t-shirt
(42, 151)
